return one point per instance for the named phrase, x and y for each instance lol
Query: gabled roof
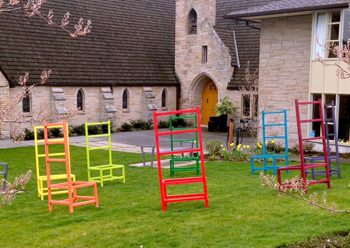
(286, 7)
(131, 43)
(248, 38)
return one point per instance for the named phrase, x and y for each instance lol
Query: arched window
(125, 99)
(164, 98)
(26, 103)
(80, 100)
(192, 22)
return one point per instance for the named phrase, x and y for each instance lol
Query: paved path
(132, 141)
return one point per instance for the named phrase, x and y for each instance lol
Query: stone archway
(209, 100)
(204, 93)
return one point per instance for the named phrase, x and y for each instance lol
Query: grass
(240, 213)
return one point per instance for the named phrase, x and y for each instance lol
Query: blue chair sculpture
(274, 157)
(330, 132)
(4, 173)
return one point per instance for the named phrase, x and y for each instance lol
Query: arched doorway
(209, 100)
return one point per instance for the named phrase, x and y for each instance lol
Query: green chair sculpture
(102, 172)
(175, 140)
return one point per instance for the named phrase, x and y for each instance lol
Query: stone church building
(139, 57)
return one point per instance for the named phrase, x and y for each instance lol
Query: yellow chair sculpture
(105, 171)
(42, 178)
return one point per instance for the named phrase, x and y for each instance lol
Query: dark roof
(287, 6)
(131, 43)
(248, 38)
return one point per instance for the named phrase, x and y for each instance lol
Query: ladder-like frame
(303, 166)
(105, 170)
(334, 134)
(41, 179)
(266, 156)
(165, 198)
(193, 156)
(74, 200)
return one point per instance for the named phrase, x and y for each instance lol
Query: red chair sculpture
(74, 200)
(164, 183)
(303, 166)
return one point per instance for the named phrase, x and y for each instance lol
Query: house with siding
(139, 57)
(289, 68)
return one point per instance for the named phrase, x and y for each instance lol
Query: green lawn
(240, 213)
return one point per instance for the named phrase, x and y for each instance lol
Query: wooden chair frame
(164, 183)
(193, 156)
(41, 179)
(303, 166)
(73, 200)
(334, 134)
(105, 171)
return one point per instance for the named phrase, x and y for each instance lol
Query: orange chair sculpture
(164, 183)
(74, 200)
(40, 176)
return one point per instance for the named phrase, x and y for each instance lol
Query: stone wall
(194, 74)
(285, 67)
(100, 103)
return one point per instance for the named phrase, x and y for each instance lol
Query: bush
(126, 127)
(104, 128)
(40, 134)
(78, 130)
(29, 135)
(94, 130)
(272, 146)
(141, 124)
(163, 124)
(214, 148)
(307, 147)
(179, 123)
(55, 132)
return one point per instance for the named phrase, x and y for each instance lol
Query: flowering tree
(295, 185)
(7, 106)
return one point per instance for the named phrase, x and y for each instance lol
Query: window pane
(344, 117)
(163, 99)
(26, 103)
(331, 46)
(346, 33)
(246, 105)
(334, 31)
(80, 100)
(192, 22)
(335, 16)
(256, 105)
(316, 127)
(320, 32)
(204, 54)
(125, 99)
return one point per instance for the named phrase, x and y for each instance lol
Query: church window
(125, 99)
(192, 22)
(80, 100)
(26, 103)
(164, 98)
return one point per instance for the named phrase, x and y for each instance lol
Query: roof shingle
(131, 43)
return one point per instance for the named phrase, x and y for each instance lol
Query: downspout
(237, 57)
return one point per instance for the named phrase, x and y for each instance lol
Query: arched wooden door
(209, 100)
